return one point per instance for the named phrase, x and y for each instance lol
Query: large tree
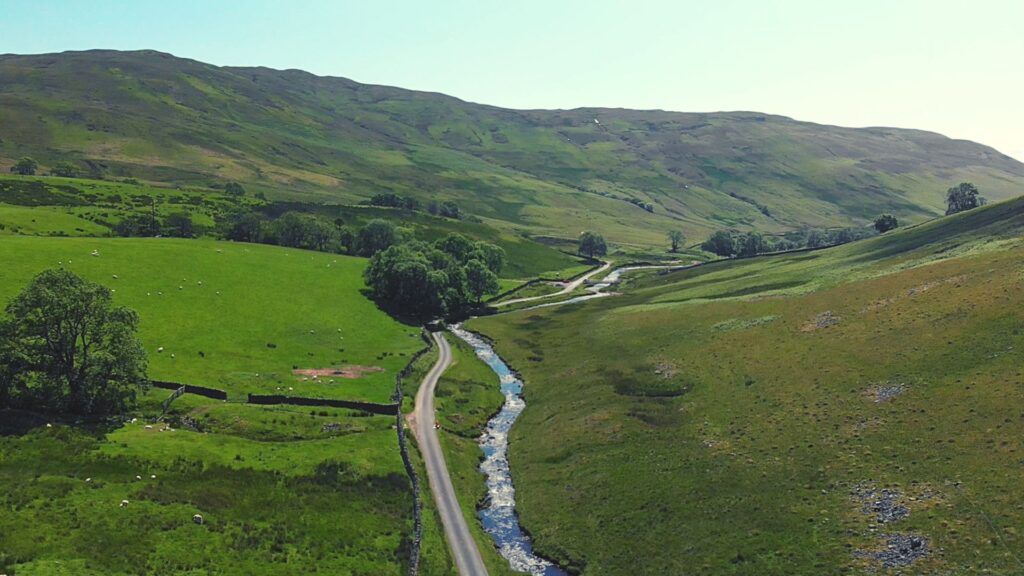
(720, 243)
(886, 222)
(961, 197)
(480, 281)
(64, 347)
(25, 166)
(675, 238)
(376, 236)
(592, 245)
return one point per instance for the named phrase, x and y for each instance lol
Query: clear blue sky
(952, 66)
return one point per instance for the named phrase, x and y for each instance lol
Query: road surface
(456, 531)
(570, 287)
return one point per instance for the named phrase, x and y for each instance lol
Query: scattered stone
(823, 320)
(900, 550)
(884, 392)
(332, 427)
(884, 504)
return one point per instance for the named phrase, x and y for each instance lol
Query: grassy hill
(799, 414)
(294, 135)
(235, 304)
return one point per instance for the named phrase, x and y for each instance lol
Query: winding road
(568, 288)
(463, 546)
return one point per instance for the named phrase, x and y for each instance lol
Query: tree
(64, 347)
(457, 246)
(234, 189)
(65, 170)
(246, 227)
(886, 222)
(592, 245)
(292, 229)
(675, 237)
(322, 236)
(491, 255)
(480, 280)
(816, 238)
(25, 166)
(961, 197)
(376, 236)
(135, 225)
(720, 243)
(179, 224)
(450, 210)
(750, 244)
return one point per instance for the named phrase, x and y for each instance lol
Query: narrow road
(463, 546)
(570, 287)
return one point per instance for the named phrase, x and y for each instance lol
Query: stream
(499, 516)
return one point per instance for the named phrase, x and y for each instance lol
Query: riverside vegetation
(724, 419)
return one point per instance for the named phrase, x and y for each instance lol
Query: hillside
(293, 135)
(849, 410)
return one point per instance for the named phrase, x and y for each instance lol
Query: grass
(747, 467)
(295, 136)
(307, 505)
(226, 314)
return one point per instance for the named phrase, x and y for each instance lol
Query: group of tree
(446, 209)
(425, 281)
(391, 200)
(727, 243)
(175, 224)
(312, 232)
(962, 197)
(25, 166)
(591, 245)
(886, 222)
(64, 347)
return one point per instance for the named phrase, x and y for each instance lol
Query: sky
(950, 66)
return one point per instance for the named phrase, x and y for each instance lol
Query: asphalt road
(463, 547)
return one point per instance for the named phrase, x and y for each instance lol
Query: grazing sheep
(160, 349)
(115, 276)
(124, 503)
(152, 476)
(88, 479)
(137, 477)
(148, 427)
(198, 519)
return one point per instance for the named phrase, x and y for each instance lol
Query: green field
(305, 505)
(303, 490)
(719, 420)
(255, 312)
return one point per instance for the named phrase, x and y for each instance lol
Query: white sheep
(160, 349)
(148, 427)
(115, 276)
(198, 519)
(124, 503)
(137, 477)
(88, 479)
(152, 476)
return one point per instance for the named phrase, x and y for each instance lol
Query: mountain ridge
(634, 174)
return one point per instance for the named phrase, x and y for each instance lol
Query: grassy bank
(720, 420)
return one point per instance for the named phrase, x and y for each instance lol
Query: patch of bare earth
(353, 371)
